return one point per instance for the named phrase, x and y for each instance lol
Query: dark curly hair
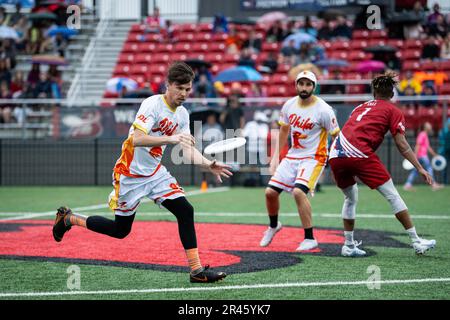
(383, 85)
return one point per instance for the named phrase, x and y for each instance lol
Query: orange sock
(194, 260)
(76, 220)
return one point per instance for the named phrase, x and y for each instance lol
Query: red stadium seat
(277, 91)
(355, 89)
(413, 44)
(164, 47)
(219, 37)
(339, 45)
(411, 118)
(159, 69)
(182, 47)
(202, 37)
(122, 68)
(411, 66)
(217, 47)
(186, 37)
(144, 58)
(377, 42)
(147, 47)
(339, 55)
(411, 55)
(358, 44)
(231, 58)
(360, 34)
(378, 34)
(279, 79)
(137, 27)
(397, 43)
(200, 47)
(139, 69)
(161, 57)
(214, 57)
(205, 27)
(130, 48)
(267, 46)
(444, 89)
(126, 58)
(357, 56)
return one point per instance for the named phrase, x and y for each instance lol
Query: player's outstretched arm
(406, 151)
(217, 168)
(141, 139)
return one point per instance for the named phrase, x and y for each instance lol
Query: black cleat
(59, 227)
(206, 276)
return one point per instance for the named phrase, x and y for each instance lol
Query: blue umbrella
(66, 32)
(332, 63)
(115, 85)
(299, 38)
(240, 73)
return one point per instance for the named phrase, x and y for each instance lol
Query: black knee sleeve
(302, 187)
(279, 190)
(119, 228)
(184, 212)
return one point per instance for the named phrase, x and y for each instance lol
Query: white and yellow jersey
(156, 118)
(310, 126)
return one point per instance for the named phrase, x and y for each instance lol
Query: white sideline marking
(222, 288)
(247, 214)
(105, 205)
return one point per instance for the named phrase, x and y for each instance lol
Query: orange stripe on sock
(193, 259)
(77, 220)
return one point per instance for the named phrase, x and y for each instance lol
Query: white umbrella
(8, 33)
(115, 85)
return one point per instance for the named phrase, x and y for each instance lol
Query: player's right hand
(426, 176)
(186, 140)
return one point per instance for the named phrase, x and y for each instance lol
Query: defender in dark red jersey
(353, 155)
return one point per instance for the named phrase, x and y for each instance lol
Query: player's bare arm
(282, 140)
(141, 139)
(406, 151)
(218, 169)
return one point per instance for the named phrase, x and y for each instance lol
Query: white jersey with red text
(310, 126)
(156, 118)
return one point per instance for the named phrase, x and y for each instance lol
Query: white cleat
(352, 250)
(423, 245)
(269, 234)
(307, 244)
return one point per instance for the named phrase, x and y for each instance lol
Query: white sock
(348, 237)
(413, 234)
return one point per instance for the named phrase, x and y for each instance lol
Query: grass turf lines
(149, 264)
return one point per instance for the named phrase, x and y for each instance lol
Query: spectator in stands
(4, 18)
(430, 49)
(220, 23)
(305, 54)
(289, 53)
(410, 82)
(256, 132)
(154, 23)
(233, 42)
(444, 148)
(5, 74)
(275, 33)
(9, 53)
(414, 31)
(5, 110)
(204, 88)
(326, 32)
(410, 93)
(169, 32)
(16, 16)
(43, 87)
(246, 59)
(211, 130)
(445, 48)
(33, 75)
(60, 44)
(342, 30)
(291, 28)
(271, 62)
(438, 29)
(35, 40)
(429, 90)
(253, 43)
(308, 28)
(17, 83)
(233, 115)
(21, 28)
(255, 91)
(432, 18)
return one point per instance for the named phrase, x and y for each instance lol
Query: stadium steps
(107, 48)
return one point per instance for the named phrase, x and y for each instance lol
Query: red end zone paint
(150, 242)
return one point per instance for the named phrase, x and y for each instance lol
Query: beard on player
(303, 94)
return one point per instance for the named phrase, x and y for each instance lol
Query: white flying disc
(407, 165)
(224, 145)
(438, 163)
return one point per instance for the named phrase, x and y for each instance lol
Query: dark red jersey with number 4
(364, 131)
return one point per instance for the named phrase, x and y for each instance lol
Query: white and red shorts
(292, 171)
(128, 191)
